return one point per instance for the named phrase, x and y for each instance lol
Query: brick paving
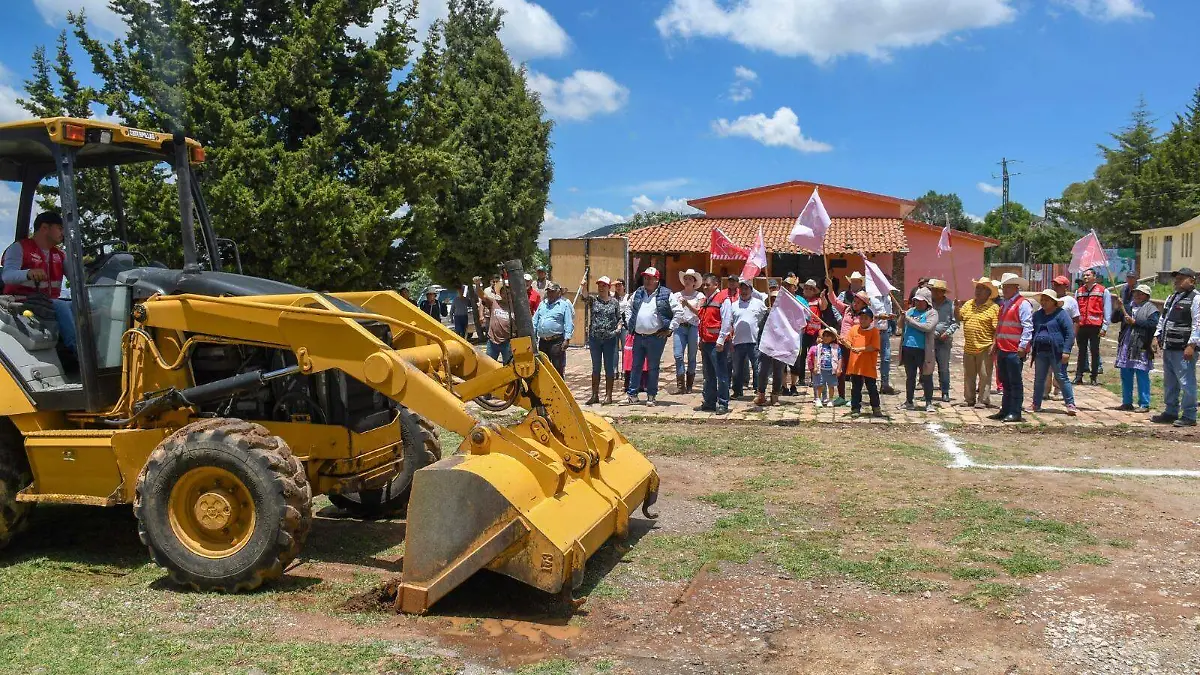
(1095, 403)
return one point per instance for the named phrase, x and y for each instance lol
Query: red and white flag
(1087, 253)
(811, 225)
(877, 284)
(721, 247)
(944, 241)
(757, 260)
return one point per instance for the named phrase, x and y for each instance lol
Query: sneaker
(722, 410)
(839, 402)
(945, 398)
(828, 403)
(705, 408)
(1164, 418)
(1036, 408)
(1184, 422)
(1072, 410)
(929, 407)
(649, 401)
(1078, 381)
(1092, 382)
(855, 414)
(908, 405)
(887, 390)
(877, 412)
(1142, 410)
(631, 399)
(1125, 407)
(817, 402)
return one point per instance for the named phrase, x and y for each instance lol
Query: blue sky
(659, 101)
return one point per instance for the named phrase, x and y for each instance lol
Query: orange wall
(789, 201)
(923, 261)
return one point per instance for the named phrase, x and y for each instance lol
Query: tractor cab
(63, 152)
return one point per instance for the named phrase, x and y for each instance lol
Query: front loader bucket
(511, 506)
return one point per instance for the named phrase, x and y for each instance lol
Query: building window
(1187, 245)
(1151, 248)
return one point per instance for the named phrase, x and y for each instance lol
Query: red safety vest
(33, 258)
(1008, 330)
(1091, 305)
(710, 316)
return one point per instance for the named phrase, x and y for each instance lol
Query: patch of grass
(921, 453)
(1025, 563)
(550, 667)
(1119, 543)
(963, 573)
(986, 593)
(1093, 559)
(603, 665)
(990, 525)
(904, 516)
(1104, 493)
(770, 450)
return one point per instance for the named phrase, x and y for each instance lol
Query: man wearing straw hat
(979, 317)
(1014, 331)
(685, 327)
(943, 334)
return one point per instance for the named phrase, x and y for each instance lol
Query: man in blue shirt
(553, 324)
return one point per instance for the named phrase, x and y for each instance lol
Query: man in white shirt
(650, 318)
(746, 313)
(685, 327)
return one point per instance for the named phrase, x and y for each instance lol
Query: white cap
(604, 280)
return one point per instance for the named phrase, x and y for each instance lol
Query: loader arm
(532, 501)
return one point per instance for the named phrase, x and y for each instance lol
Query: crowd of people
(715, 327)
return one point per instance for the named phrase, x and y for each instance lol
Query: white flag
(944, 241)
(811, 225)
(877, 284)
(757, 260)
(783, 331)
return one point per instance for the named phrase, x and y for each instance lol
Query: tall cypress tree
(497, 201)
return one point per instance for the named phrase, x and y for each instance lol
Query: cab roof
(26, 147)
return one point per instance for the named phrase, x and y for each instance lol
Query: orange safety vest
(1008, 330)
(1091, 305)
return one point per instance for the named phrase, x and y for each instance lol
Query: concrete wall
(923, 261)
(791, 200)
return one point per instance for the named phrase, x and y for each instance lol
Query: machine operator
(34, 265)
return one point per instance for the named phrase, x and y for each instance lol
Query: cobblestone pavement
(1096, 403)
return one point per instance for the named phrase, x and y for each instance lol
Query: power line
(1005, 175)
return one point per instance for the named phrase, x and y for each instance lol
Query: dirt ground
(777, 550)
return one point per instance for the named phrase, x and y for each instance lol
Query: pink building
(864, 224)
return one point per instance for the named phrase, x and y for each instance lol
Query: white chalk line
(963, 461)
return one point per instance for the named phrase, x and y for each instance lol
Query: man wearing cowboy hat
(943, 334)
(685, 328)
(979, 317)
(856, 285)
(1095, 308)
(1178, 336)
(650, 318)
(1014, 331)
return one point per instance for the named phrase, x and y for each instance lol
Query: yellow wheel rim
(211, 512)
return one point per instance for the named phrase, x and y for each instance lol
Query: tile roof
(845, 235)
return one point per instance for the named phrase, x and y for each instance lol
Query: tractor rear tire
(223, 505)
(422, 447)
(15, 476)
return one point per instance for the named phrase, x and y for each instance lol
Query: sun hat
(1012, 279)
(811, 283)
(831, 331)
(862, 295)
(1062, 280)
(984, 281)
(1049, 293)
(527, 277)
(1142, 288)
(604, 280)
(690, 273)
(856, 276)
(938, 285)
(792, 279)
(746, 283)
(651, 272)
(924, 294)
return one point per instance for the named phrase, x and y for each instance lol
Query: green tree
(1172, 176)
(316, 140)
(494, 207)
(936, 209)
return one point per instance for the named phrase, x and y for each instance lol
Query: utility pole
(1004, 181)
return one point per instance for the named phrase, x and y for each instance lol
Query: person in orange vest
(1095, 307)
(1014, 332)
(34, 266)
(715, 320)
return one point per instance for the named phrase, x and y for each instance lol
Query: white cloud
(823, 30)
(582, 95)
(780, 130)
(554, 227)
(973, 218)
(1109, 10)
(529, 31)
(990, 189)
(741, 90)
(99, 15)
(643, 203)
(9, 201)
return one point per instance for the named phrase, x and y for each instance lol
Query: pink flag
(757, 260)
(721, 247)
(782, 333)
(1087, 253)
(944, 241)
(811, 225)
(877, 284)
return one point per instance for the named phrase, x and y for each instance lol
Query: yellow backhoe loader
(217, 404)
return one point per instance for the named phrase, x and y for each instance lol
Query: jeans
(745, 356)
(913, 360)
(716, 375)
(604, 351)
(885, 357)
(460, 325)
(66, 322)
(686, 338)
(556, 349)
(1143, 386)
(977, 371)
(1046, 363)
(1008, 368)
(769, 368)
(1179, 380)
(500, 352)
(646, 348)
(856, 387)
(1088, 339)
(806, 343)
(941, 352)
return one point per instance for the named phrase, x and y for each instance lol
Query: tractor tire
(422, 447)
(15, 476)
(223, 505)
